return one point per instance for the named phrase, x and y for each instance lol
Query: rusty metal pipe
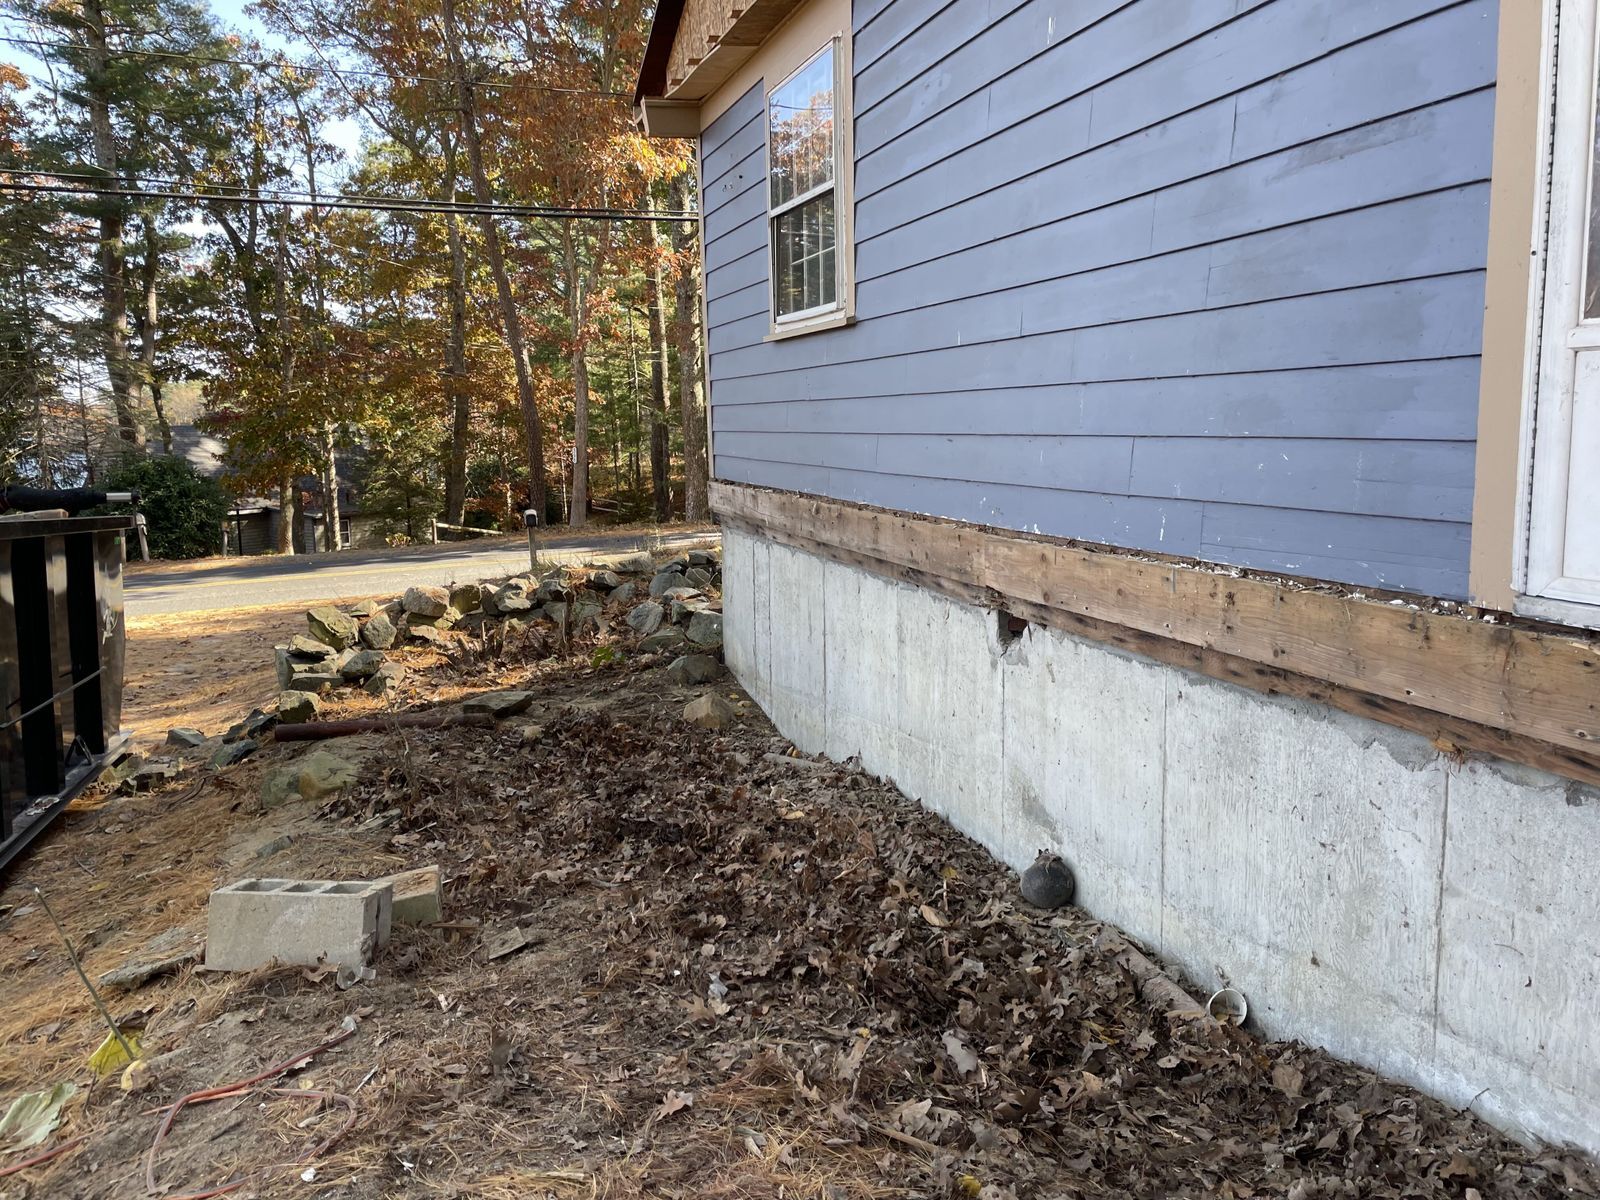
(316, 731)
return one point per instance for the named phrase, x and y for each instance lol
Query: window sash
(788, 265)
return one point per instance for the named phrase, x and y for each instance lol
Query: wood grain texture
(1386, 660)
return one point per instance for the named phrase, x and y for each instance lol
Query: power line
(339, 72)
(359, 203)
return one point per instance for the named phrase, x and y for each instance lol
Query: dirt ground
(741, 974)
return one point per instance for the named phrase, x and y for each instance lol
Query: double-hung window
(803, 200)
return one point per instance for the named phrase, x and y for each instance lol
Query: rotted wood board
(1523, 693)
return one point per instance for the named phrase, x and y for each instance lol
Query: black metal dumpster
(61, 649)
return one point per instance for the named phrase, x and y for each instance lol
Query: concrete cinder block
(418, 896)
(299, 921)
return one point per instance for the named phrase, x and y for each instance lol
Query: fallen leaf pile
(762, 962)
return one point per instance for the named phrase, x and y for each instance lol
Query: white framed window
(805, 201)
(1558, 574)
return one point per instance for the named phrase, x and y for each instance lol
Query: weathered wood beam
(1517, 691)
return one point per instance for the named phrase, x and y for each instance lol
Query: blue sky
(343, 133)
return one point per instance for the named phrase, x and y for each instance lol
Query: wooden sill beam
(1518, 692)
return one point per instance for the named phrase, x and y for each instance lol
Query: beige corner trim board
(1519, 692)
(1510, 304)
(1536, 508)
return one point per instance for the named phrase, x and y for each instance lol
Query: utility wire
(281, 64)
(360, 203)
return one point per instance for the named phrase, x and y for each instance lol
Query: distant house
(1169, 434)
(251, 526)
(253, 521)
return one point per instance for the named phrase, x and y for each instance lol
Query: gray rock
(705, 629)
(552, 589)
(555, 611)
(283, 665)
(694, 668)
(465, 597)
(320, 773)
(703, 558)
(363, 609)
(499, 704)
(682, 610)
(183, 736)
(586, 611)
(666, 641)
(296, 708)
(234, 752)
(329, 625)
(445, 620)
(259, 722)
(379, 632)
(679, 564)
(385, 679)
(710, 712)
(425, 601)
(624, 594)
(646, 618)
(512, 597)
(605, 580)
(664, 582)
(424, 633)
(1049, 882)
(361, 666)
(697, 577)
(309, 649)
(315, 681)
(633, 564)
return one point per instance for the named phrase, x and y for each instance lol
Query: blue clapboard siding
(1200, 278)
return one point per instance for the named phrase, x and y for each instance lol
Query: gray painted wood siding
(1203, 278)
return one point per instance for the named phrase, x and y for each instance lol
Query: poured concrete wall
(1435, 921)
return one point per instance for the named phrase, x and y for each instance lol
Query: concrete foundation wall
(1434, 921)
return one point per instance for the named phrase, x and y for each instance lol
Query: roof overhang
(695, 46)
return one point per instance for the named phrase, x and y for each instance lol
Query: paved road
(352, 573)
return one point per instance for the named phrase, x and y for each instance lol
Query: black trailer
(61, 661)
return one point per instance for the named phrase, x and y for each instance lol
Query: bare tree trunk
(460, 396)
(660, 449)
(149, 319)
(330, 490)
(510, 319)
(686, 338)
(456, 390)
(113, 251)
(576, 314)
(288, 495)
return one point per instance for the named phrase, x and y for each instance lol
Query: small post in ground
(530, 518)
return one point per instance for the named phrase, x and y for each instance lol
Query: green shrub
(183, 509)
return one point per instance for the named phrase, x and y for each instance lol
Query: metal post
(530, 518)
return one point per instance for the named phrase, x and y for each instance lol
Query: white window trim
(842, 311)
(1547, 410)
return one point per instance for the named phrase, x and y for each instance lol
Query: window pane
(1591, 282)
(804, 273)
(800, 138)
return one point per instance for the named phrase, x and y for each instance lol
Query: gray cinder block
(300, 921)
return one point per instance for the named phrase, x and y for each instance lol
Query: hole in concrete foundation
(1008, 627)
